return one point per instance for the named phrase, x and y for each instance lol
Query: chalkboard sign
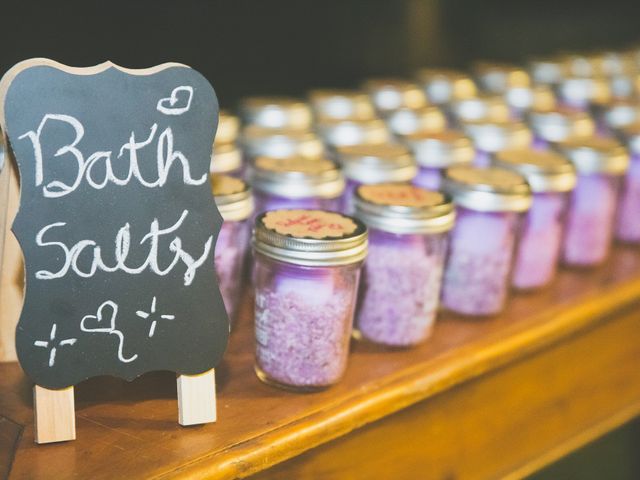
(117, 222)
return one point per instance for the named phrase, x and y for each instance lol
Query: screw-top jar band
(555, 125)
(276, 112)
(404, 209)
(596, 155)
(341, 104)
(310, 237)
(339, 133)
(487, 189)
(278, 143)
(387, 162)
(443, 85)
(620, 113)
(498, 77)
(391, 93)
(483, 107)
(490, 136)
(440, 150)
(527, 98)
(545, 171)
(233, 197)
(226, 157)
(547, 71)
(228, 128)
(405, 121)
(582, 91)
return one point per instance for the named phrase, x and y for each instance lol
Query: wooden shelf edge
(426, 379)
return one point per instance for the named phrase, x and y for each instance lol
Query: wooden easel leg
(55, 416)
(197, 398)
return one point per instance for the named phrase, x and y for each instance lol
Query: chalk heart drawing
(178, 102)
(99, 325)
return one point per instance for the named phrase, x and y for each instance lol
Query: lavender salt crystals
(489, 204)
(601, 164)
(306, 280)
(296, 183)
(234, 201)
(551, 177)
(628, 222)
(402, 276)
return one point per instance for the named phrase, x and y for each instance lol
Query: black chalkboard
(117, 222)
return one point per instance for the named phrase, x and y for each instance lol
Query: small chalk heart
(99, 325)
(178, 102)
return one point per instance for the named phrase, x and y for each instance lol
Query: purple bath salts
(628, 222)
(540, 241)
(429, 178)
(590, 220)
(401, 287)
(481, 249)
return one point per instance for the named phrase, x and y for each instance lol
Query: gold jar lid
(233, 197)
(596, 155)
(555, 125)
(393, 93)
(338, 133)
(484, 106)
(545, 171)
(278, 143)
(500, 77)
(487, 189)
(620, 113)
(226, 157)
(228, 128)
(443, 85)
(534, 97)
(584, 90)
(310, 237)
(297, 177)
(441, 149)
(405, 121)
(341, 104)
(493, 136)
(547, 70)
(276, 112)
(387, 162)
(404, 209)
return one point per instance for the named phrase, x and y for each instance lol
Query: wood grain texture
(197, 398)
(131, 427)
(55, 416)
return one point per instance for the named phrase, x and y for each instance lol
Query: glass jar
(284, 113)
(551, 178)
(341, 104)
(277, 143)
(582, 93)
(344, 132)
(547, 71)
(558, 124)
(402, 275)
(227, 159)
(443, 86)
(228, 128)
(601, 164)
(296, 183)
(524, 99)
(370, 164)
(628, 221)
(405, 121)
(235, 204)
(435, 152)
(388, 94)
(306, 282)
(486, 107)
(499, 78)
(490, 137)
(489, 204)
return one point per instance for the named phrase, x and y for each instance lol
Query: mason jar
(405, 121)
(490, 137)
(296, 183)
(307, 268)
(550, 126)
(342, 132)
(521, 100)
(583, 93)
(388, 94)
(227, 159)
(551, 177)
(435, 152)
(443, 86)
(286, 113)
(341, 104)
(489, 205)
(370, 164)
(601, 164)
(628, 221)
(235, 204)
(484, 107)
(278, 143)
(402, 276)
(228, 128)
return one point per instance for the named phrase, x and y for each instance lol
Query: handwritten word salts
(71, 254)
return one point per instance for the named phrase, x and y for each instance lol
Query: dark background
(286, 46)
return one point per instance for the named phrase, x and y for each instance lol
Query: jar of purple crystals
(551, 178)
(341, 104)
(490, 202)
(490, 137)
(400, 288)
(296, 183)
(370, 164)
(306, 281)
(601, 164)
(235, 203)
(405, 121)
(435, 152)
(227, 159)
(628, 222)
(485, 106)
(558, 124)
(285, 113)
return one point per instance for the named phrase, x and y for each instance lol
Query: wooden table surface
(489, 398)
